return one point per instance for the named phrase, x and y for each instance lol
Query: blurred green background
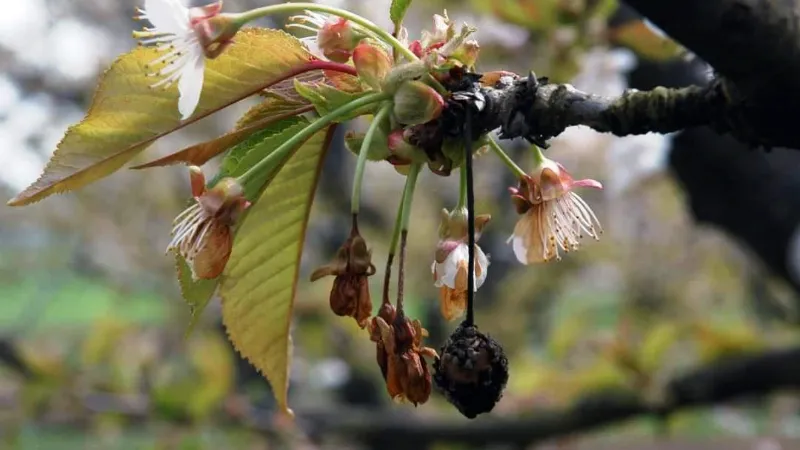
(92, 325)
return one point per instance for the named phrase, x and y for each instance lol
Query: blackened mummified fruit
(472, 371)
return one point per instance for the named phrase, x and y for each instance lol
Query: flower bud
(453, 224)
(214, 30)
(337, 39)
(443, 31)
(202, 234)
(372, 64)
(416, 48)
(377, 150)
(401, 150)
(467, 53)
(472, 371)
(415, 103)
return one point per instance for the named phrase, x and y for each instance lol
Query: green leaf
(126, 114)
(645, 41)
(326, 98)
(269, 111)
(259, 146)
(197, 294)
(260, 280)
(397, 11)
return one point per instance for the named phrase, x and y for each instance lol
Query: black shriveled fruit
(472, 371)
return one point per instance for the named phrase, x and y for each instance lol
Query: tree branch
(755, 45)
(538, 111)
(745, 375)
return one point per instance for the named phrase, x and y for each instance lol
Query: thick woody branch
(538, 111)
(754, 45)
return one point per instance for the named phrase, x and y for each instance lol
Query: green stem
(241, 18)
(392, 248)
(315, 126)
(361, 162)
(538, 156)
(462, 189)
(405, 214)
(398, 225)
(408, 195)
(505, 158)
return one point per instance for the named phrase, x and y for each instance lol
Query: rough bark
(755, 46)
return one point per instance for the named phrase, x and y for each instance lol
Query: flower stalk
(405, 214)
(462, 187)
(361, 162)
(281, 8)
(507, 159)
(284, 149)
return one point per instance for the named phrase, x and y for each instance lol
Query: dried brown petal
(452, 302)
(350, 291)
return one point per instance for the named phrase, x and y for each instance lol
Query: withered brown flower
(400, 355)
(202, 233)
(472, 372)
(351, 266)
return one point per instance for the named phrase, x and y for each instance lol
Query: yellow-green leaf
(260, 280)
(257, 147)
(268, 112)
(126, 115)
(657, 342)
(645, 41)
(326, 98)
(197, 294)
(242, 156)
(398, 10)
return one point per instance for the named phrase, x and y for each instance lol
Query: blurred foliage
(89, 303)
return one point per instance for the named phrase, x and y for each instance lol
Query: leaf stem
(241, 18)
(361, 162)
(505, 158)
(470, 188)
(284, 149)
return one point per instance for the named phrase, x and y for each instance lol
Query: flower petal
(587, 183)
(167, 16)
(520, 251)
(190, 84)
(482, 262)
(448, 270)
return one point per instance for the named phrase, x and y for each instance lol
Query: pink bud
(416, 48)
(337, 39)
(214, 30)
(197, 181)
(372, 64)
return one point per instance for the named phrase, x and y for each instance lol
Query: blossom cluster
(553, 219)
